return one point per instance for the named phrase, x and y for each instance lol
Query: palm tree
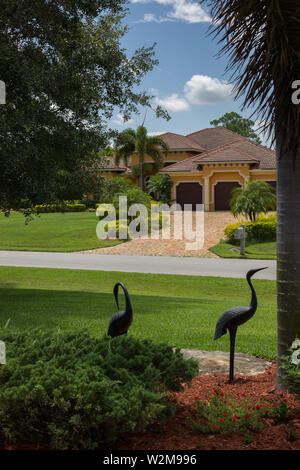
(130, 141)
(261, 38)
(253, 199)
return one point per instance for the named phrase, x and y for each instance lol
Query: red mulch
(176, 435)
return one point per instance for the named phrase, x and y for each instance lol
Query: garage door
(189, 193)
(223, 194)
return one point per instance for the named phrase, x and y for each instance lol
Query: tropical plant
(290, 363)
(254, 198)
(160, 185)
(261, 39)
(130, 141)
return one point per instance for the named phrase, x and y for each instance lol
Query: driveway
(214, 224)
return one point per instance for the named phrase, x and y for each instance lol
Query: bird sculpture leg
(232, 333)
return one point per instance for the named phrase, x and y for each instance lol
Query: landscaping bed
(262, 250)
(176, 434)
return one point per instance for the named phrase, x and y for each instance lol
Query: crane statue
(234, 317)
(120, 321)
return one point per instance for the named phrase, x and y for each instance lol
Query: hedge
(263, 229)
(43, 208)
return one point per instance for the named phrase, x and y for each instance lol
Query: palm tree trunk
(141, 177)
(288, 254)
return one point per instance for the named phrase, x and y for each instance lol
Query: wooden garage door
(223, 194)
(189, 193)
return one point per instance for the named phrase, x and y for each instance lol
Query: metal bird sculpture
(120, 321)
(234, 317)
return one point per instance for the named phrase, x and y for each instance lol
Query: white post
(243, 239)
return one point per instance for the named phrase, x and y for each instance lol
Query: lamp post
(241, 234)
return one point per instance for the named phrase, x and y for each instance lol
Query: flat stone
(217, 362)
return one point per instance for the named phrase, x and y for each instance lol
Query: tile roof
(180, 142)
(213, 137)
(211, 145)
(239, 151)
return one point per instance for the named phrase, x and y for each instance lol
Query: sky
(190, 80)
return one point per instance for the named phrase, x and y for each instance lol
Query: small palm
(253, 199)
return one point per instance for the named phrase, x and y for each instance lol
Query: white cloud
(173, 103)
(155, 133)
(151, 18)
(187, 11)
(120, 121)
(200, 90)
(204, 90)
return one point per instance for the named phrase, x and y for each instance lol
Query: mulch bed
(176, 434)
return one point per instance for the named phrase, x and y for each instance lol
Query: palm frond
(154, 140)
(155, 153)
(124, 146)
(261, 38)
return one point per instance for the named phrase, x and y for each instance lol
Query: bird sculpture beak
(260, 269)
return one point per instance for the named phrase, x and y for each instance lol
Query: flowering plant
(222, 414)
(290, 365)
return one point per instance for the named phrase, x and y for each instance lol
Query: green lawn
(255, 250)
(72, 231)
(181, 310)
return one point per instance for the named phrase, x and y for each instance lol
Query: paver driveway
(214, 224)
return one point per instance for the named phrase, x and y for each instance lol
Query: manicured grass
(72, 231)
(254, 250)
(181, 310)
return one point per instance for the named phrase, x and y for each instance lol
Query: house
(206, 165)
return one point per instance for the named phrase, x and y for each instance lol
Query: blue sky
(190, 81)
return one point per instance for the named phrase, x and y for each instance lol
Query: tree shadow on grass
(48, 309)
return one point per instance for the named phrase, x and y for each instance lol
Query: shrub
(134, 196)
(290, 365)
(77, 392)
(114, 185)
(45, 208)
(263, 229)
